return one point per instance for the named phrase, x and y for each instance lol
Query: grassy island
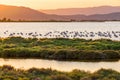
(59, 49)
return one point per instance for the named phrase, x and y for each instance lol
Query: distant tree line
(5, 20)
(22, 20)
(11, 20)
(71, 20)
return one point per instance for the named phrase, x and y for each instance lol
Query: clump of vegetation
(60, 49)
(10, 73)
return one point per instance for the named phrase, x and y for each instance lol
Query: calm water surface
(60, 65)
(45, 27)
(56, 28)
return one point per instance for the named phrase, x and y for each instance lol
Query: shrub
(60, 77)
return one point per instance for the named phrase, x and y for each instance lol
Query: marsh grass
(59, 49)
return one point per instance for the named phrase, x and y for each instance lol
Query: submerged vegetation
(59, 49)
(10, 73)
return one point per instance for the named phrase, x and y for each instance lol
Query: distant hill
(83, 11)
(95, 17)
(23, 13)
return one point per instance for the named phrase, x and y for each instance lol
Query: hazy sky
(54, 4)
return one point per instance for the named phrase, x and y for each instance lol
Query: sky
(55, 4)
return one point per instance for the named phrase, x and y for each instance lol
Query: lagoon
(60, 65)
(23, 28)
(86, 30)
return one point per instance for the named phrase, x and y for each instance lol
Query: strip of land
(59, 48)
(10, 73)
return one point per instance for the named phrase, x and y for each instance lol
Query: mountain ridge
(25, 13)
(84, 11)
(20, 13)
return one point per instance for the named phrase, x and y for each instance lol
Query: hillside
(27, 14)
(96, 17)
(84, 11)
(24, 13)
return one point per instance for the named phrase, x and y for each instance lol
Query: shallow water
(37, 28)
(60, 65)
(45, 27)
